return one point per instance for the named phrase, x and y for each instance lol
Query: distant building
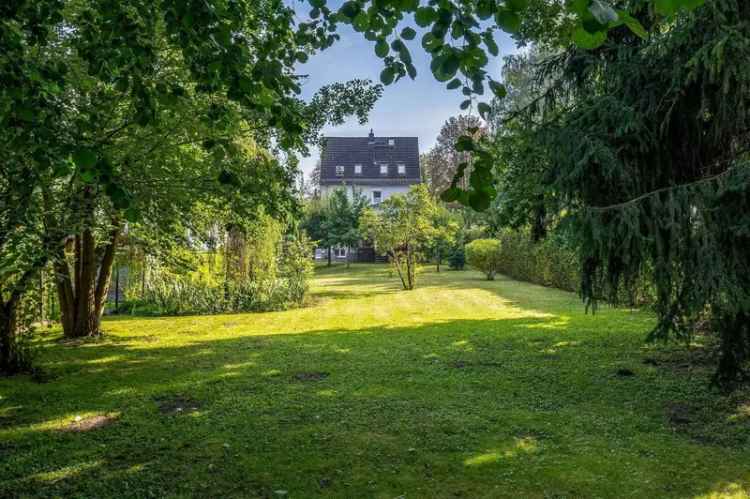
(377, 167)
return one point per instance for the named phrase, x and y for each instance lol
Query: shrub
(457, 258)
(484, 255)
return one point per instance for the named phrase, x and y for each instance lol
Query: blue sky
(416, 108)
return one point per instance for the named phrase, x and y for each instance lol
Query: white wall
(386, 191)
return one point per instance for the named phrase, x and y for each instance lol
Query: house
(377, 167)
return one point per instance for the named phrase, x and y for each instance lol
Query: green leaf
(454, 84)
(382, 48)
(387, 76)
(489, 41)
(411, 70)
(665, 7)
(485, 8)
(431, 43)
(587, 40)
(508, 21)
(633, 24)
(465, 143)
(484, 109)
(350, 9)
(449, 67)
(132, 214)
(465, 104)
(498, 89)
(87, 176)
(479, 200)
(361, 22)
(318, 3)
(408, 33)
(84, 158)
(424, 16)
(517, 5)
(669, 7)
(451, 194)
(603, 12)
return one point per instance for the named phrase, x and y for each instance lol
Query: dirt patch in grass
(462, 364)
(625, 372)
(174, 405)
(311, 376)
(679, 414)
(90, 423)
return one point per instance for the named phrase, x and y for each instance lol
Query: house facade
(377, 167)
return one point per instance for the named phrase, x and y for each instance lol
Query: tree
(341, 223)
(644, 187)
(400, 227)
(442, 234)
(485, 255)
(122, 111)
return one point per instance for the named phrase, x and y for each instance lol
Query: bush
(549, 262)
(484, 255)
(554, 262)
(457, 259)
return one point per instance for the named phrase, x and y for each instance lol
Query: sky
(413, 108)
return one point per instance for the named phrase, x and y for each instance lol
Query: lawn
(462, 388)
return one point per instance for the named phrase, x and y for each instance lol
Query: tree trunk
(82, 300)
(9, 360)
(329, 256)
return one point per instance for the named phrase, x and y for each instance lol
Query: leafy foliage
(484, 255)
(401, 227)
(641, 149)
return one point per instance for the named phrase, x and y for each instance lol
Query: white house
(378, 167)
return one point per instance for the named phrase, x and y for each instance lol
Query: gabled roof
(370, 152)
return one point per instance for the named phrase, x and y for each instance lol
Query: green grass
(462, 388)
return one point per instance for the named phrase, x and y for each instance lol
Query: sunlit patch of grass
(519, 446)
(460, 388)
(66, 472)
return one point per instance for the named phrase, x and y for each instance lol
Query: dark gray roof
(370, 152)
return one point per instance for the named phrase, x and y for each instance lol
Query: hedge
(546, 262)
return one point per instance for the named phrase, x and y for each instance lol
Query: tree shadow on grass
(438, 408)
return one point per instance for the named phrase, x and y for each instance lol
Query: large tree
(130, 111)
(642, 149)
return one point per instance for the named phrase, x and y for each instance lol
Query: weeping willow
(646, 145)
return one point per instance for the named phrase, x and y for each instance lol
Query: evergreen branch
(659, 191)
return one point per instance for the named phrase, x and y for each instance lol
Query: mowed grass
(462, 388)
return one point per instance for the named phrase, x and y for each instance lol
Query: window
(358, 169)
(392, 142)
(340, 171)
(402, 169)
(377, 197)
(339, 252)
(383, 169)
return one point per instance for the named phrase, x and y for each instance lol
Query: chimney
(372, 137)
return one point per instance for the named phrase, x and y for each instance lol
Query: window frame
(358, 169)
(384, 168)
(401, 169)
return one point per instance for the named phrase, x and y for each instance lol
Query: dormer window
(402, 169)
(383, 169)
(358, 169)
(392, 142)
(339, 170)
